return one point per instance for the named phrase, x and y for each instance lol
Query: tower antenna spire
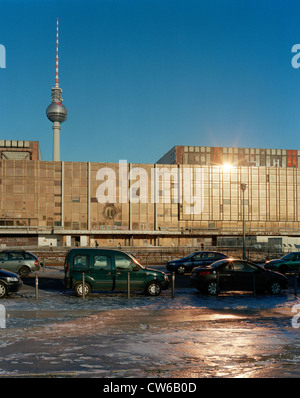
(56, 71)
(56, 111)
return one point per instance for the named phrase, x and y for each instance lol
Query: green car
(289, 262)
(110, 270)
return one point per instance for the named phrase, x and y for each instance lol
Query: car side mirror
(136, 268)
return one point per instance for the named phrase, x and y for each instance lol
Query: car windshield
(288, 256)
(135, 260)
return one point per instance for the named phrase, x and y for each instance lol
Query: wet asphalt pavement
(108, 335)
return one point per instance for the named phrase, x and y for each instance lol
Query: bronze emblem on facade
(110, 211)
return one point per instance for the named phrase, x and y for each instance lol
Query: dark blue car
(186, 264)
(9, 282)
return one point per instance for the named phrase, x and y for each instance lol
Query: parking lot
(110, 335)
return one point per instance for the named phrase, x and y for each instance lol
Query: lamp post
(243, 188)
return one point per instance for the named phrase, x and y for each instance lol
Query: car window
(199, 256)
(221, 255)
(228, 266)
(28, 256)
(213, 256)
(102, 262)
(15, 256)
(243, 267)
(81, 261)
(124, 263)
(3, 256)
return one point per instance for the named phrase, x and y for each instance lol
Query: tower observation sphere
(57, 112)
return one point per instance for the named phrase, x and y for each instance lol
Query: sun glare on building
(227, 166)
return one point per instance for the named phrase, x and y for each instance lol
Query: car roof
(12, 251)
(234, 260)
(209, 251)
(95, 249)
(16, 251)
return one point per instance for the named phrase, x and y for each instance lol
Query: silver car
(19, 261)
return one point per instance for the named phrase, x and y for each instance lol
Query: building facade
(213, 156)
(14, 149)
(111, 204)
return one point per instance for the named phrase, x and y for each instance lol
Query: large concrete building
(179, 204)
(15, 149)
(202, 155)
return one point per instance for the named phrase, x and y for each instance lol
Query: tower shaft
(56, 141)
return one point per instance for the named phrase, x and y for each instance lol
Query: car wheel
(181, 269)
(3, 290)
(153, 289)
(24, 270)
(275, 288)
(212, 288)
(78, 289)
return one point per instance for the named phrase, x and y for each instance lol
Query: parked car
(9, 282)
(234, 274)
(19, 261)
(289, 262)
(108, 270)
(193, 260)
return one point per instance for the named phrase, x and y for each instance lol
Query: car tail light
(36, 263)
(203, 273)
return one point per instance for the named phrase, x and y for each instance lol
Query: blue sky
(140, 76)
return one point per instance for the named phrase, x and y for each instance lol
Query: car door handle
(118, 273)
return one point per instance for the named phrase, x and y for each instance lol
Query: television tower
(56, 111)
